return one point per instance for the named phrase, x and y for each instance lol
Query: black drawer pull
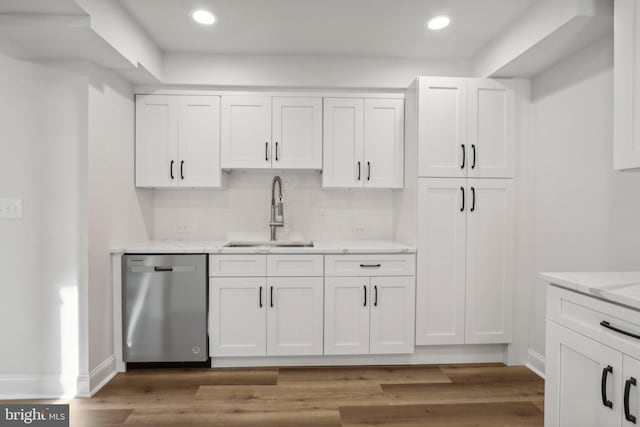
(627, 389)
(370, 265)
(603, 386)
(607, 325)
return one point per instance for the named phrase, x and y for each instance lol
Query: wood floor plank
(490, 374)
(323, 418)
(360, 375)
(282, 397)
(512, 414)
(505, 391)
(98, 417)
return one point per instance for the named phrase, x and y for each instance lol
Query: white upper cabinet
(246, 132)
(440, 290)
(384, 143)
(626, 150)
(297, 133)
(363, 143)
(199, 141)
(490, 248)
(491, 125)
(156, 140)
(261, 132)
(442, 127)
(343, 145)
(178, 141)
(466, 128)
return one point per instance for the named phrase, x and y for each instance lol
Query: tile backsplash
(241, 211)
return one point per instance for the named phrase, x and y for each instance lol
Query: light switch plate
(10, 208)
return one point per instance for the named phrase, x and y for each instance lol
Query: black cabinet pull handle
(370, 265)
(375, 291)
(607, 325)
(276, 151)
(473, 199)
(603, 386)
(271, 296)
(171, 169)
(182, 170)
(358, 171)
(365, 296)
(266, 151)
(462, 191)
(464, 156)
(260, 296)
(473, 147)
(163, 269)
(368, 171)
(627, 389)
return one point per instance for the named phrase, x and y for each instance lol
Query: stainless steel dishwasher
(165, 308)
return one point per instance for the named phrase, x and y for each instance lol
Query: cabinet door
(626, 117)
(246, 132)
(392, 315)
(491, 129)
(343, 145)
(237, 316)
(490, 246)
(631, 382)
(294, 316)
(575, 366)
(440, 289)
(199, 141)
(297, 133)
(384, 143)
(346, 315)
(156, 141)
(442, 127)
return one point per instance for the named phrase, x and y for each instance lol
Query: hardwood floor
(490, 395)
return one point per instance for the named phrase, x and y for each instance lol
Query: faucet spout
(277, 208)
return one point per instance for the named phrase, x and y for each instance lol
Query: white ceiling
(379, 28)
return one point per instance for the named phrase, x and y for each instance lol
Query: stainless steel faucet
(277, 210)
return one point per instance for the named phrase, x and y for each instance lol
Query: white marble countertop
(619, 287)
(218, 247)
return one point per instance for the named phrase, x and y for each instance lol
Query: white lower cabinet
(590, 381)
(369, 315)
(294, 316)
(237, 316)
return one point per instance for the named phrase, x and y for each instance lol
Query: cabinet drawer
(237, 265)
(584, 314)
(294, 265)
(370, 265)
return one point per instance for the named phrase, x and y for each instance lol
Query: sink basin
(276, 244)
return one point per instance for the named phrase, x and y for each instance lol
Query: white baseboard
(37, 387)
(423, 356)
(102, 374)
(535, 362)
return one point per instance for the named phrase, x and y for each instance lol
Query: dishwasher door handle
(161, 269)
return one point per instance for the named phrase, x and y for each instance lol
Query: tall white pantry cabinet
(465, 212)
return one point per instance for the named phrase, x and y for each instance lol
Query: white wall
(585, 214)
(302, 71)
(117, 213)
(42, 256)
(242, 210)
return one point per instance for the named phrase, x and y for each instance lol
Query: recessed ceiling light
(204, 17)
(438, 22)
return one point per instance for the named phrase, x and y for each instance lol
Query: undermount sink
(276, 244)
